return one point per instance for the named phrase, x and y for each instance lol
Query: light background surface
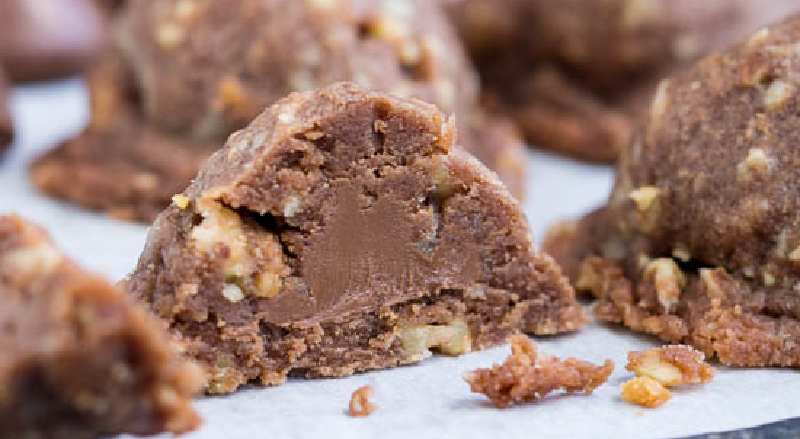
(428, 400)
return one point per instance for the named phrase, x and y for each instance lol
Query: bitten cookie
(197, 70)
(577, 74)
(78, 359)
(48, 39)
(341, 232)
(699, 240)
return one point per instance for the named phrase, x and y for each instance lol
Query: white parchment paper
(429, 400)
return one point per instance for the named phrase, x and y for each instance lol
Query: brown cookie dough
(576, 74)
(78, 359)
(698, 242)
(6, 125)
(47, 39)
(527, 376)
(341, 232)
(197, 70)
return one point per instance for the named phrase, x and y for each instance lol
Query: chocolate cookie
(78, 359)
(699, 240)
(47, 39)
(577, 74)
(342, 232)
(6, 126)
(201, 69)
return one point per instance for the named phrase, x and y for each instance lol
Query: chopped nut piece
(777, 94)
(170, 35)
(671, 366)
(757, 164)
(646, 392)
(450, 339)
(182, 201)
(233, 293)
(668, 279)
(359, 402)
(521, 379)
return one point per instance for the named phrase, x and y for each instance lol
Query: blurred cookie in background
(48, 39)
(576, 74)
(185, 74)
(6, 126)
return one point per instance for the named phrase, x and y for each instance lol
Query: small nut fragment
(450, 339)
(267, 285)
(359, 402)
(291, 207)
(180, 200)
(777, 94)
(671, 366)
(755, 165)
(647, 200)
(668, 280)
(170, 35)
(27, 262)
(233, 293)
(645, 391)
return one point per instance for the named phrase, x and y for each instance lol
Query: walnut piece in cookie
(360, 406)
(525, 376)
(672, 366)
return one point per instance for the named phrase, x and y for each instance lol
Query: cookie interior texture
(341, 232)
(184, 74)
(699, 240)
(78, 359)
(577, 75)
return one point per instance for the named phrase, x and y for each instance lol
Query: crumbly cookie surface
(527, 376)
(78, 359)
(697, 241)
(345, 221)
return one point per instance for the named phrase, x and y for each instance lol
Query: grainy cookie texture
(185, 74)
(698, 241)
(77, 358)
(528, 376)
(577, 74)
(341, 232)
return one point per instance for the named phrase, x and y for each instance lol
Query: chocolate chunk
(194, 71)
(47, 39)
(577, 74)
(80, 360)
(698, 241)
(340, 232)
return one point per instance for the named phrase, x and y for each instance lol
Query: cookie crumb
(674, 365)
(521, 379)
(646, 392)
(359, 402)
